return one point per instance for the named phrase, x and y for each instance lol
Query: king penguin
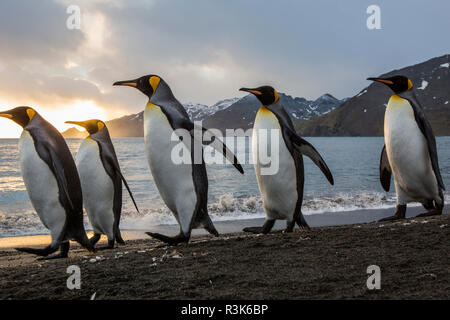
(281, 190)
(182, 186)
(410, 152)
(51, 180)
(101, 181)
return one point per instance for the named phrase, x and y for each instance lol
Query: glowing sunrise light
(80, 110)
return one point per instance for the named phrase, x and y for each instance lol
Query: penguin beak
(5, 114)
(78, 123)
(255, 92)
(129, 83)
(381, 80)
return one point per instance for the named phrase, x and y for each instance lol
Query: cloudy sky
(205, 49)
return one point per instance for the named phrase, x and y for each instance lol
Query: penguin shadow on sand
(101, 182)
(410, 152)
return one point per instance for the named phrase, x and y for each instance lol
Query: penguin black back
(52, 148)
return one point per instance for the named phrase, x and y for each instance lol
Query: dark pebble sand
(325, 262)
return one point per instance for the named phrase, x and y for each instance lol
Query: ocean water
(352, 160)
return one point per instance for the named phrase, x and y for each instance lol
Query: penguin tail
(203, 220)
(83, 240)
(440, 202)
(94, 239)
(119, 238)
(300, 220)
(39, 252)
(208, 225)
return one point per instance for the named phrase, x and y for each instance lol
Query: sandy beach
(326, 262)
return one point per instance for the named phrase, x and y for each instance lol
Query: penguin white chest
(277, 180)
(41, 186)
(97, 186)
(174, 180)
(407, 152)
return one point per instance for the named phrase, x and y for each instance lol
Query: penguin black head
(265, 94)
(146, 84)
(91, 126)
(398, 84)
(20, 115)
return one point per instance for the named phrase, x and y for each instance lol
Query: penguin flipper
(385, 170)
(427, 131)
(109, 160)
(128, 188)
(58, 170)
(307, 149)
(179, 119)
(210, 139)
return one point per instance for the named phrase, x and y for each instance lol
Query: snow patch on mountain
(198, 111)
(309, 109)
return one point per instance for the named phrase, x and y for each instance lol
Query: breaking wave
(226, 208)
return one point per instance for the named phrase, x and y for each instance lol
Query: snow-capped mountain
(363, 114)
(241, 113)
(199, 111)
(310, 109)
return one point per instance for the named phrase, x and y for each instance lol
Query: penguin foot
(108, 247)
(399, 214)
(53, 257)
(255, 230)
(265, 229)
(430, 213)
(63, 253)
(289, 226)
(39, 252)
(392, 218)
(171, 241)
(104, 248)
